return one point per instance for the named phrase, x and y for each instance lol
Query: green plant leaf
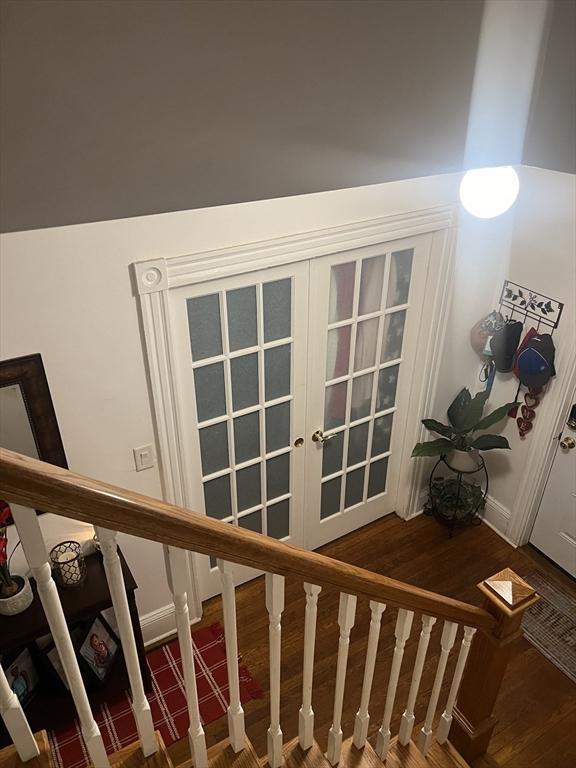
(474, 411)
(489, 442)
(437, 426)
(495, 416)
(432, 448)
(457, 410)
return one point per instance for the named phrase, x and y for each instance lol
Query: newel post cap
(507, 593)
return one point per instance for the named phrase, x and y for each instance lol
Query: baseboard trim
(158, 624)
(497, 517)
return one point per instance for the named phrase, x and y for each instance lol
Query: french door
(294, 387)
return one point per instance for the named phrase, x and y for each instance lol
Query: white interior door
(554, 531)
(365, 314)
(240, 362)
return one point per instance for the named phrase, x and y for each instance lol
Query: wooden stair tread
(9, 757)
(445, 756)
(405, 756)
(222, 755)
(132, 757)
(296, 757)
(351, 757)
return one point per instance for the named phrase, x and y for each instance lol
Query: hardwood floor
(536, 710)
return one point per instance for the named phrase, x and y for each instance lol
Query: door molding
(536, 470)
(153, 279)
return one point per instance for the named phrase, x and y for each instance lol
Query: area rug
(167, 701)
(550, 624)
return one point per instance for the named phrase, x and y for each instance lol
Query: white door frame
(153, 280)
(537, 468)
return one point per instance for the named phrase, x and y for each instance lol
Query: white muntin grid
(352, 376)
(260, 408)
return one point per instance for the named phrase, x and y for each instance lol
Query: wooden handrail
(44, 486)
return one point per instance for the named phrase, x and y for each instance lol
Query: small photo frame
(100, 648)
(51, 653)
(22, 676)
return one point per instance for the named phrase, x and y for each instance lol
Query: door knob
(320, 437)
(567, 443)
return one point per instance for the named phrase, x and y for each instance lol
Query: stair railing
(467, 718)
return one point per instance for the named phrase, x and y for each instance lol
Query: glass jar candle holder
(68, 564)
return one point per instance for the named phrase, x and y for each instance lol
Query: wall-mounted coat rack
(524, 303)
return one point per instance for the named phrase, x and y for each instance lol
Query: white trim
(497, 517)
(162, 274)
(539, 462)
(160, 624)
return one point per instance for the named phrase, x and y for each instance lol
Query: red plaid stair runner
(167, 702)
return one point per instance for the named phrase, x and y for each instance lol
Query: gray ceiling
(123, 108)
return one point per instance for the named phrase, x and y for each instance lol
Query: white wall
(66, 293)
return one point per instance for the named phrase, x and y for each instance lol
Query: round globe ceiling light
(489, 192)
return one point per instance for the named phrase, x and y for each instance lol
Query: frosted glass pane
(366, 339)
(217, 497)
(242, 331)
(278, 519)
(361, 396)
(214, 448)
(277, 371)
(210, 393)
(332, 455)
(335, 406)
(244, 375)
(278, 476)
(371, 284)
(247, 437)
(338, 352)
(387, 383)
(393, 336)
(377, 478)
(382, 434)
(330, 503)
(357, 444)
(204, 326)
(252, 522)
(399, 280)
(277, 427)
(354, 487)
(341, 292)
(277, 309)
(248, 487)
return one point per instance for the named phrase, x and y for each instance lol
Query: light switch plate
(144, 457)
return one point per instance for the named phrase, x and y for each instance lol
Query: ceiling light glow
(489, 192)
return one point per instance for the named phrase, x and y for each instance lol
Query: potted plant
(15, 591)
(459, 443)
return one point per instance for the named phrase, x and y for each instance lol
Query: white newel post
(16, 722)
(306, 714)
(235, 712)
(362, 720)
(407, 722)
(446, 643)
(115, 578)
(275, 606)
(178, 575)
(446, 719)
(401, 633)
(35, 551)
(346, 614)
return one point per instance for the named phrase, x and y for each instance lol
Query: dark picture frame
(22, 675)
(29, 375)
(99, 655)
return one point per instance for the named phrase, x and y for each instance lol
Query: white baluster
(306, 714)
(362, 716)
(446, 719)
(115, 577)
(446, 643)
(16, 722)
(275, 606)
(35, 551)
(178, 575)
(235, 712)
(346, 614)
(401, 633)
(407, 722)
